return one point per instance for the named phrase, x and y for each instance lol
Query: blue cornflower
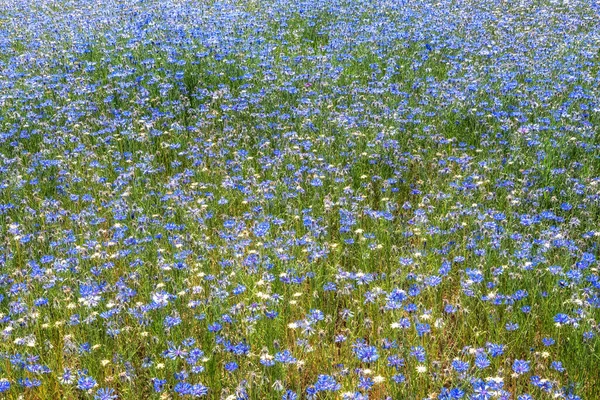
(285, 357)
(450, 309)
(588, 335)
(239, 289)
(481, 361)
(240, 349)
(395, 299)
(482, 392)
(339, 338)
(231, 366)
(316, 182)
(262, 229)
(355, 396)
(460, 366)
(451, 394)
(175, 352)
(158, 384)
(316, 315)
(548, 341)
(171, 321)
(181, 375)
(329, 287)
(311, 393)
(267, 361)
(418, 352)
(395, 361)
(194, 355)
(365, 353)
(561, 318)
(404, 323)
(520, 366)
(86, 383)
(512, 326)
(196, 390)
(495, 350)
(444, 394)
(183, 388)
(105, 394)
(365, 383)
(327, 383)
(197, 369)
(29, 383)
(42, 301)
(289, 395)
(557, 365)
(423, 329)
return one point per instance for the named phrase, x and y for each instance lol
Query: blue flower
(194, 390)
(231, 366)
(422, 329)
(520, 366)
(365, 353)
(86, 383)
(495, 350)
(457, 393)
(171, 321)
(262, 229)
(547, 341)
(418, 352)
(460, 366)
(365, 383)
(285, 357)
(481, 361)
(289, 395)
(557, 365)
(327, 383)
(158, 384)
(105, 394)
(561, 318)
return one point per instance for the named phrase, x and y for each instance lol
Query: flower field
(313, 199)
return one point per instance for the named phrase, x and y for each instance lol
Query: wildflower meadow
(309, 199)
